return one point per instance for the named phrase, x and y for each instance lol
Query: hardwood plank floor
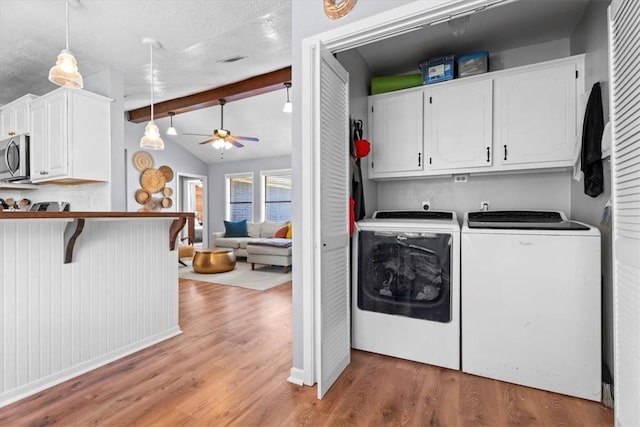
(230, 366)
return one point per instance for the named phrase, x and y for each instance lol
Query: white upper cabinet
(70, 137)
(396, 134)
(536, 115)
(15, 117)
(458, 124)
(509, 120)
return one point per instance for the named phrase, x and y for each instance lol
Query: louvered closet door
(624, 32)
(333, 343)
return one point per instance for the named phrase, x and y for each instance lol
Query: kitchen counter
(82, 289)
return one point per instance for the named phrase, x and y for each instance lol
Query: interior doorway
(192, 197)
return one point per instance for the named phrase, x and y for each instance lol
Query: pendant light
(151, 139)
(172, 130)
(65, 72)
(288, 107)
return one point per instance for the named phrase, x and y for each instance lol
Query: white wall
(217, 185)
(507, 191)
(590, 37)
(173, 155)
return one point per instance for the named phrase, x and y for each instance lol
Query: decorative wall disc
(152, 180)
(142, 160)
(167, 171)
(142, 196)
(336, 9)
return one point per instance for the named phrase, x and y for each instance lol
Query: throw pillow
(235, 228)
(281, 233)
(269, 228)
(288, 236)
(253, 229)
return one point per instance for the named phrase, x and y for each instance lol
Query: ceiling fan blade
(198, 134)
(207, 141)
(233, 141)
(246, 138)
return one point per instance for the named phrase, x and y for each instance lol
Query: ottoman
(210, 261)
(270, 252)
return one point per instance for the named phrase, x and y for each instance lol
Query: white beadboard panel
(625, 160)
(119, 295)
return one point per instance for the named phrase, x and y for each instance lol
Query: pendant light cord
(151, 47)
(67, 33)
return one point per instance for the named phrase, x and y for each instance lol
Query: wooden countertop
(86, 215)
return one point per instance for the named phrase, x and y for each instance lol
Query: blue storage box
(473, 63)
(438, 69)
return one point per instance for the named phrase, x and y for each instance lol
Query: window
(276, 195)
(240, 197)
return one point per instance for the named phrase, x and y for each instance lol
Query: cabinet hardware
(488, 154)
(11, 133)
(419, 159)
(372, 109)
(505, 151)
(371, 165)
(430, 100)
(430, 160)
(576, 74)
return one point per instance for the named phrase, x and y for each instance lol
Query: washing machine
(406, 286)
(531, 307)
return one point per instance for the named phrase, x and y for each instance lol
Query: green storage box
(389, 84)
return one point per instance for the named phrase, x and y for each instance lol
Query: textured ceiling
(195, 36)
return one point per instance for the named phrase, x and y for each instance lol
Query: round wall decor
(152, 180)
(336, 9)
(142, 160)
(167, 172)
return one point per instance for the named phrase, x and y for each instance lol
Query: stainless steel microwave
(14, 158)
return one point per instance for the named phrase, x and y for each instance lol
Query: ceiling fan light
(227, 145)
(151, 139)
(218, 144)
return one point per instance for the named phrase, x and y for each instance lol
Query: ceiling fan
(222, 137)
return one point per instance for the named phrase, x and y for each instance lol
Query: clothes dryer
(406, 286)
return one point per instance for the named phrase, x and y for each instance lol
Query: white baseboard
(296, 376)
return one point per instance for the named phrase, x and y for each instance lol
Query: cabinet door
(536, 115)
(5, 122)
(396, 133)
(38, 140)
(57, 126)
(21, 116)
(458, 123)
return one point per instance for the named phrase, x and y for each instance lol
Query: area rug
(262, 278)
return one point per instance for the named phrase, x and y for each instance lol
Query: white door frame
(396, 21)
(205, 202)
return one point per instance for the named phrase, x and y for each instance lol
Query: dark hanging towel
(357, 190)
(592, 130)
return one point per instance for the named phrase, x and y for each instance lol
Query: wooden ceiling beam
(232, 92)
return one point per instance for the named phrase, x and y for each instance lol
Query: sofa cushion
(269, 228)
(281, 232)
(229, 242)
(253, 229)
(268, 250)
(288, 236)
(235, 228)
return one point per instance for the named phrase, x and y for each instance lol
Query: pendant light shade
(172, 130)
(151, 139)
(65, 72)
(288, 107)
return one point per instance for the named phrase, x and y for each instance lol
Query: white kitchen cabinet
(458, 125)
(396, 134)
(535, 112)
(15, 118)
(70, 137)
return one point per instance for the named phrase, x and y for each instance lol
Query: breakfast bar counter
(81, 289)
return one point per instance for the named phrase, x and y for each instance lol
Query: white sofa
(255, 230)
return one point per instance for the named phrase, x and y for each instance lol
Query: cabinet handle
(505, 151)
(419, 159)
(11, 133)
(488, 154)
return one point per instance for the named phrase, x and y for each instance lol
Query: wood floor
(230, 366)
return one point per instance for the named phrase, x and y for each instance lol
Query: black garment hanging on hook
(592, 129)
(357, 189)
